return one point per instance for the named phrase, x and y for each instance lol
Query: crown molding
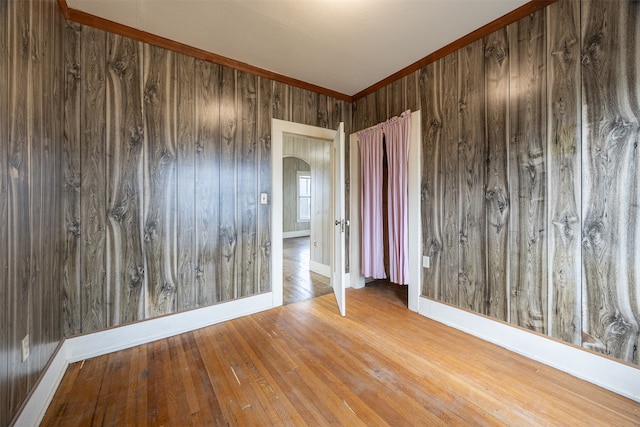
(511, 17)
(152, 39)
(143, 36)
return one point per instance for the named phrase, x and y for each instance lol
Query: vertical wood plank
(323, 120)
(311, 109)
(18, 194)
(471, 175)
(280, 103)
(358, 113)
(610, 168)
(265, 96)
(631, 57)
(527, 173)
(228, 185)
(431, 179)
(497, 191)
(37, 165)
(187, 291)
(297, 105)
(4, 223)
(564, 173)
(448, 84)
(207, 185)
(96, 306)
(395, 98)
(160, 187)
(125, 275)
(71, 284)
(246, 259)
(380, 109)
(411, 92)
(52, 133)
(370, 115)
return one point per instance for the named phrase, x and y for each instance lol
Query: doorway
(416, 260)
(306, 184)
(280, 129)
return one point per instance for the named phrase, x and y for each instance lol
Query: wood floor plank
(304, 364)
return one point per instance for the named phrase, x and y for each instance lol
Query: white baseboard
(34, 407)
(300, 233)
(322, 269)
(602, 371)
(99, 343)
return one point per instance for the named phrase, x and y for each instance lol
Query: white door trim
(415, 221)
(278, 129)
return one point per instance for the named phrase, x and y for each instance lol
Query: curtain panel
(371, 153)
(398, 137)
(396, 133)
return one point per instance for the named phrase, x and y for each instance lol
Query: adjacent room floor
(303, 364)
(298, 282)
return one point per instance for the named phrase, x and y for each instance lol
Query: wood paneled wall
(168, 156)
(290, 168)
(318, 153)
(31, 117)
(532, 173)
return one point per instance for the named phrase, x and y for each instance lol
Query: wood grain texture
(471, 176)
(72, 262)
(160, 184)
(299, 283)
(53, 117)
(412, 93)
(297, 105)
(207, 183)
(430, 187)
(187, 291)
(126, 276)
(247, 204)
(564, 170)
(30, 133)
(18, 195)
(265, 114)
(312, 112)
(497, 203)
(194, 195)
(609, 177)
(395, 98)
(448, 86)
(480, 33)
(97, 297)
(81, 17)
(228, 201)
(4, 223)
(527, 173)
(300, 364)
(290, 167)
(36, 163)
(281, 101)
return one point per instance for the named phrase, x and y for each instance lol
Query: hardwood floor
(303, 364)
(299, 283)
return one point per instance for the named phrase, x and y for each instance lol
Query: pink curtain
(397, 133)
(371, 152)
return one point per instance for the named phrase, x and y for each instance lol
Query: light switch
(426, 261)
(263, 198)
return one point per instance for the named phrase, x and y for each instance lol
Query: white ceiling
(342, 45)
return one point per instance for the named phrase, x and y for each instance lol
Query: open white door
(338, 274)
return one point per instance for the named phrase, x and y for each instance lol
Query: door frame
(414, 212)
(278, 129)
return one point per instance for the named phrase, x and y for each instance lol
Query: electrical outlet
(25, 348)
(263, 198)
(426, 261)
